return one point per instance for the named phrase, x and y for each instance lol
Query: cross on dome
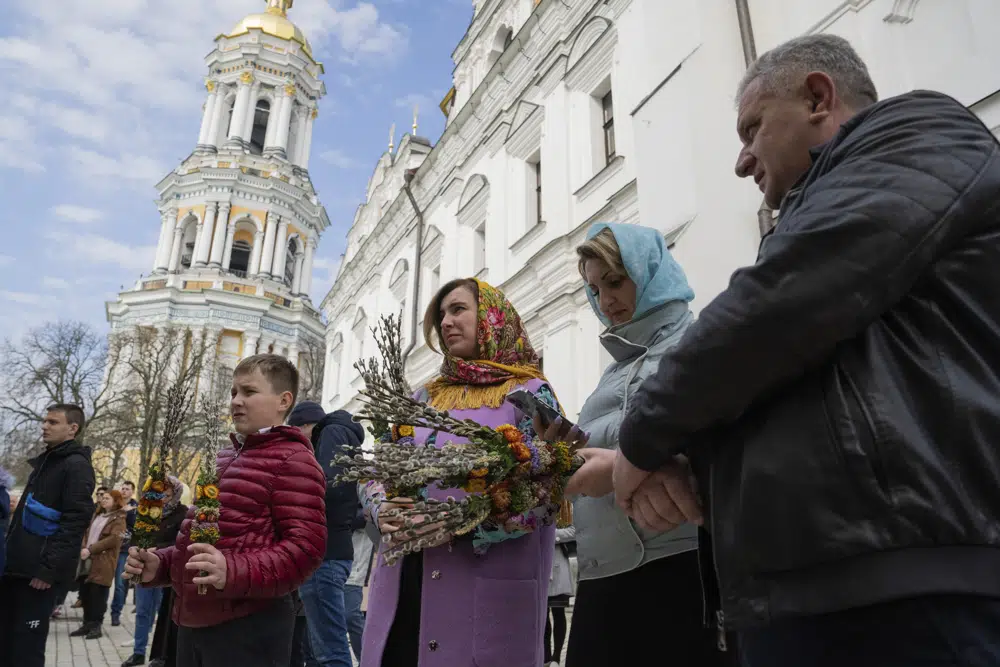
(279, 6)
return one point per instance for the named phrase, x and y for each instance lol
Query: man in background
(44, 537)
(323, 593)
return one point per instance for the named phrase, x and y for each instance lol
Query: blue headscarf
(658, 278)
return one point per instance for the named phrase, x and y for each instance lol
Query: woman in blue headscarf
(639, 578)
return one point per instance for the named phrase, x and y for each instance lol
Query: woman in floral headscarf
(480, 599)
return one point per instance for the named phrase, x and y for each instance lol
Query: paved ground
(65, 651)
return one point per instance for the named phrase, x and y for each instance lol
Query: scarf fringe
(447, 396)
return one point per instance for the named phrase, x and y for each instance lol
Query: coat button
(433, 645)
(436, 574)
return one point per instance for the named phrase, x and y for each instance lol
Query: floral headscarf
(178, 488)
(506, 359)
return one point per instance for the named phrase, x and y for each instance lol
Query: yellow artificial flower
(143, 509)
(145, 487)
(406, 431)
(155, 512)
(475, 485)
(211, 491)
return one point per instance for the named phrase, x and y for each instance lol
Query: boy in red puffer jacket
(273, 532)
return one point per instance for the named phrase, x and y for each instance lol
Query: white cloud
(130, 166)
(339, 159)
(6, 260)
(24, 298)
(74, 213)
(412, 100)
(96, 249)
(54, 283)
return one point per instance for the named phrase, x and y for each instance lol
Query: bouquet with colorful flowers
(503, 472)
(207, 508)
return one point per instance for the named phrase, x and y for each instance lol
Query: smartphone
(529, 404)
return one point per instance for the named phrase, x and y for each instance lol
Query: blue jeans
(147, 602)
(353, 596)
(323, 598)
(121, 589)
(931, 631)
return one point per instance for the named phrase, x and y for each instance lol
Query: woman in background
(98, 558)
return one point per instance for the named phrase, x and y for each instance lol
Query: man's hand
(209, 561)
(144, 563)
(667, 498)
(626, 478)
(84, 553)
(594, 477)
(40, 585)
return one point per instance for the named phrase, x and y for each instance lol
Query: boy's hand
(210, 561)
(144, 563)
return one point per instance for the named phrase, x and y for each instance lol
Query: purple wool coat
(476, 611)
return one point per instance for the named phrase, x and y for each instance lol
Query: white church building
(240, 219)
(569, 112)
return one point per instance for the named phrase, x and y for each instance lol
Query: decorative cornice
(525, 136)
(592, 55)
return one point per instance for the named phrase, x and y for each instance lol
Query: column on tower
(307, 140)
(297, 273)
(258, 242)
(293, 354)
(227, 252)
(247, 129)
(307, 268)
(268, 251)
(205, 139)
(280, 251)
(164, 247)
(175, 250)
(215, 129)
(284, 121)
(250, 339)
(301, 119)
(219, 237)
(240, 109)
(203, 241)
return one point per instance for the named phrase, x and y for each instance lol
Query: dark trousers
(95, 602)
(301, 648)
(263, 639)
(933, 631)
(402, 648)
(658, 607)
(165, 635)
(558, 623)
(24, 622)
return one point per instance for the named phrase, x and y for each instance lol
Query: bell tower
(240, 220)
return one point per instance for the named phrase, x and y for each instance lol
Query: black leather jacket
(841, 399)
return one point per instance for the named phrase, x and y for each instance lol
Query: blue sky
(102, 99)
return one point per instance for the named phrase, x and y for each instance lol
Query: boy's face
(255, 404)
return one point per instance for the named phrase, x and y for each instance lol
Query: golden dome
(272, 22)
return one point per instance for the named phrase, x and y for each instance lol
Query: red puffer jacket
(273, 526)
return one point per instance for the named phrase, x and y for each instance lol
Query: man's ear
(821, 94)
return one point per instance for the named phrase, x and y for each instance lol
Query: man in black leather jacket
(840, 400)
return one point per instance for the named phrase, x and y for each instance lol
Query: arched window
(240, 262)
(358, 331)
(231, 103)
(187, 242)
(503, 39)
(290, 255)
(260, 117)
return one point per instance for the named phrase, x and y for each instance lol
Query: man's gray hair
(783, 69)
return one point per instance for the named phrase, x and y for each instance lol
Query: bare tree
(312, 365)
(153, 363)
(207, 429)
(58, 362)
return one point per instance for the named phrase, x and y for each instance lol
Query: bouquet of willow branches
(504, 474)
(207, 507)
(150, 510)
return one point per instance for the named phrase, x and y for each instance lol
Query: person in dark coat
(840, 400)
(323, 593)
(149, 600)
(44, 536)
